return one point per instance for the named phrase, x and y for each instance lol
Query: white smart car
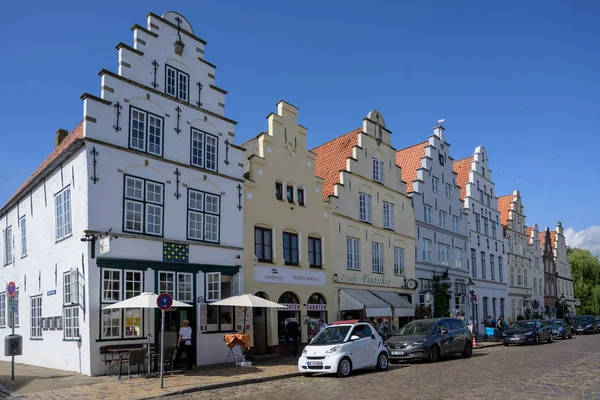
(342, 347)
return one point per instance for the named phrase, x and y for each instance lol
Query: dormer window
(177, 83)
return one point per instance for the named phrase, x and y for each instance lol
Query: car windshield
(583, 320)
(332, 335)
(523, 325)
(415, 328)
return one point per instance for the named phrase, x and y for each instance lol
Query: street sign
(104, 245)
(164, 301)
(11, 289)
(13, 306)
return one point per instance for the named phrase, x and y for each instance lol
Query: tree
(585, 269)
(441, 302)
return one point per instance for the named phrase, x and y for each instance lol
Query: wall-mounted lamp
(255, 260)
(238, 261)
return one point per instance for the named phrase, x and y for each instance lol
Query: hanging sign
(104, 245)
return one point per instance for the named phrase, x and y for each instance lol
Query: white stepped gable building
(440, 220)
(487, 252)
(537, 271)
(154, 163)
(564, 278)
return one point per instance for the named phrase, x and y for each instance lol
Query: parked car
(584, 324)
(561, 329)
(343, 347)
(430, 339)
(528, 331)
(597, 321)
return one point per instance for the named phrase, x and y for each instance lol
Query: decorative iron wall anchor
(178, 117)
(199, 102)
(226, 151)
(239, 187)
(155, 65)
(177, 175)
(94, 153)
(118, 106)
(179, 45)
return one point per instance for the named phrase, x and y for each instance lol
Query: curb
(7, 394)
(225, 385)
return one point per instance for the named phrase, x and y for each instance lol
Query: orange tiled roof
(75, 134)
(504, 208)
(462, 168)
(331, 159)
(409, 159)
(528, 231)
(541, 236)
(552, 238)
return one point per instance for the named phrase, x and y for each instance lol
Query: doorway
(173, 319)
(259, 324)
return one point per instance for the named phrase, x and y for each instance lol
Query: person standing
(184, 344)
(322, 325)
(292, 329)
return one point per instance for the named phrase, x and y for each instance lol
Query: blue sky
(521, 78)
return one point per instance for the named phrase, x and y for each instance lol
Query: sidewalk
(37, 383)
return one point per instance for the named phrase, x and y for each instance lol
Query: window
(427, 214)
(487, 199)
(449, 191)
(213, 286)
(477, 223)
(263, 249)
(512, 275)
(377, 170)
(71, 287)
(443, 217)
(133, 284)
(143, 206)
(398, 261)
(290, 193)
(388, 215)
(8, 246)
(315, 259)
(435, 184)
(455, 224)
(426, 250)
(36, 317)
(485, 309)
(177, 83)
(458, 262)
(525, 277)
(485, 226)
(492, 268)
(353, 253)
(494, 229)
(146, 131)
(474, 262)
(219, 318)
(203, 216)
(71, 325)
(62, 204)
(535, 286)
(494, 308)
(204, 150)
(377, 257)
(184, 287)
(111, 285)
(501, 306)
(123, 284)
(300, 194)
(166, 283)
(500, 272)
(23, 226)
(444, 254)
(290, 248)
(3, 310)
(364, 207)
(279, 190)
(483, 268)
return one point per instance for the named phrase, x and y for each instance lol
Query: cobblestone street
(562, 370)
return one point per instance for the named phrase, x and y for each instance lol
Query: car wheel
(536, 339)
(344, 367)
(550, 338)
(382, 362)
(506, 344)
(468, 351)
(564, 336)
(434, 354)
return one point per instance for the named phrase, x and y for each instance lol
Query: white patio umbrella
(145, 300)
(247, 300)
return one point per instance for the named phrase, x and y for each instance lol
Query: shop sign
(316, 307)
(290, 307)
(289, 276)
(366, 279)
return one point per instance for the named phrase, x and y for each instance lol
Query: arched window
(287, 330)
(316, 308)
(279, 190)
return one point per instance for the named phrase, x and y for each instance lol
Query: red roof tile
(552, 238)
(75, 134)
(462, 168)
(528, 231)
(409, 159)
(504, 208)
(541, 236)
(331, 159)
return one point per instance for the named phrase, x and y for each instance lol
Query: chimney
(61, 134)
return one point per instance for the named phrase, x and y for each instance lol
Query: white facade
(537, 271)
(156, 167)
(564, 278)
(486, 248)
(440, 223)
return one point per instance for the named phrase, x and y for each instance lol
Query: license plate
(397, 353)
(514, 338)
(315, 363)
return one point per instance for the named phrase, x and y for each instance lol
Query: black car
(560, 328)
(528, 331)
(584, 324)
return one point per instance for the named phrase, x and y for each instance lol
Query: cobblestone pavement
(563, 370)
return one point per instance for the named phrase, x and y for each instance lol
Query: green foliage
(441, 302)
(585, 269)
(423, 311)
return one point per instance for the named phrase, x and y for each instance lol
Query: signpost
(104, 244)
(164, 301)
(11, 289)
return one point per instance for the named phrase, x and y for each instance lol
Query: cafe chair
(136, 357)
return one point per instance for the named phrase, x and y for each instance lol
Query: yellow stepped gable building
(287, 234)
(373, 224)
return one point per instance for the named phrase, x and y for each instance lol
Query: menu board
(239, 318)
(202, 321)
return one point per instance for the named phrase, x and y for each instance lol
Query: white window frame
(146, 131)
(426, 251)
(164, 282)
(71, 324)
(206, 149)
(500, 272)
(352, 254)
(458, 257)
(443, 216)
(427, 214)
(477, 223)
(23, 228)
(435, 184)
(455, 224)
(112, 290)
(114, 317)
(364, 207)
(203, 212)
(185, 287)
(449, 191)
(443, 254)
(378, 167)
(3, 309)
(36, 317)
(180, 86)
(8, 246)
(398, 261)
(377, 257)
(62, 216)
(388, 215)
(212, 293)
(143, 201)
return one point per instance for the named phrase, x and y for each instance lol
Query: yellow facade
(298, 230)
